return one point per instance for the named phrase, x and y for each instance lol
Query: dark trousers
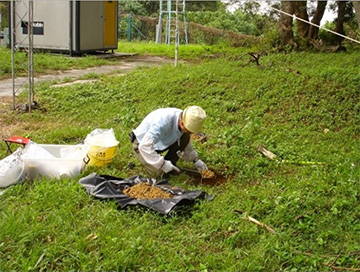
(172, 155)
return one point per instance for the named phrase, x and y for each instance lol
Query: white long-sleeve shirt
(158, 131)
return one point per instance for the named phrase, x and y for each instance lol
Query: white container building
(69, 25)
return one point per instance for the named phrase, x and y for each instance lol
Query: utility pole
(177, 38)
(166, 12)
(22, 18)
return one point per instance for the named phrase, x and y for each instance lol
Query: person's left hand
(200, 165)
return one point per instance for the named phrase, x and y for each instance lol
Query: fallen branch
(255, 56)
(333, 261)
(272, 156)
(337, 268)
(253, 220)
(266, 152)
(341, 268)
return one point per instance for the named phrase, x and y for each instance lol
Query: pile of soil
(144, 190)
(207, 174)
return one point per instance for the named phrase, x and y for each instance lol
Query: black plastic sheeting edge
(109, 187)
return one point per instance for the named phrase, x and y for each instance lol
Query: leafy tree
(205, 6)
(304, 30)
(356, 5)
(317, 15)
(345, 14)
(4, 7)
(239, 21)
(134, 7)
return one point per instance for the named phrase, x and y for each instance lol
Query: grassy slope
(47, 63)
(285, 104)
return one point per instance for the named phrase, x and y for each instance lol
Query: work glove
(200, 165)
(168, 167)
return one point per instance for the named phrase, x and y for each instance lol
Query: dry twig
(337, 268)
(253, 220)
(340, 268)
(266, 152)
(255, 56)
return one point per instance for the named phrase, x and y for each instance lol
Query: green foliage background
(239, 21)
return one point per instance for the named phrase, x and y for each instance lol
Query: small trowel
(190, 171)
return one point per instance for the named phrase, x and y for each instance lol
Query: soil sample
(198, 137)
(207, 174)
(144, 190)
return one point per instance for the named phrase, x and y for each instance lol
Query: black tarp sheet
(109, 187)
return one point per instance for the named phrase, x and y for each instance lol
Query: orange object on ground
(15, 140)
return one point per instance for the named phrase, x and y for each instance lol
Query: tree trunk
(319, 13)
(301, 12)
(339, 28)
(287, 36)
(356, 5)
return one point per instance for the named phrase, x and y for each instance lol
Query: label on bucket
(100, 154)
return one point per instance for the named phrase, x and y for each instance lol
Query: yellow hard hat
(193, 118)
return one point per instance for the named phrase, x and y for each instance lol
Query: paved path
(125, 65)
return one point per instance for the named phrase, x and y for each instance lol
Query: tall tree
(287, 36)
(345, 14)
(4, 10)
(204, 5)
(318, 15)
(356, 5)
(300, 11)
(339, 27)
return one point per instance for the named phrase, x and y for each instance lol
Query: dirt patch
(198, 137)
(144, 190)
(215, 179)
(123, 66)
(81, 81)
(13, 125)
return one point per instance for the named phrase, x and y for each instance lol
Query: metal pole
(12, 42)
(159, 28)
(169, 22)
(30, 54)
(177, 32)
(129, 28)
(185, 26)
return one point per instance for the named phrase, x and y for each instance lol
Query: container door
(91, 26)
(110, 27)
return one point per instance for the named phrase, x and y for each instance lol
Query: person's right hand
(168, 167)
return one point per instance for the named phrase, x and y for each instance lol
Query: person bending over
(167, 130)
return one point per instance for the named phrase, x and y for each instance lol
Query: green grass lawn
(187, 52)
(301, 106)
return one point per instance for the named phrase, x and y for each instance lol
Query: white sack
(12, 169)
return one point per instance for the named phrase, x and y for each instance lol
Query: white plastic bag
(12, 169)
(35, 151)
(101, 137)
